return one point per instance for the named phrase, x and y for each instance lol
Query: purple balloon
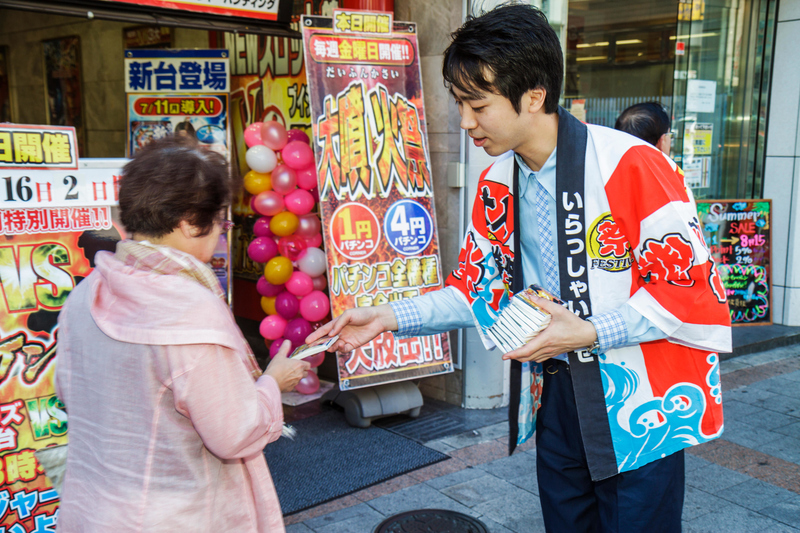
(265, 288)
(297, 330)
(297, 135)
(287, 305)
(262, 249)
(261, 227)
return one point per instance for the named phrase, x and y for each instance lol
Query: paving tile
(694, 462)
(419, 496)
(713, 478)
(358, 518)
(439, 446)
(510, 467)
(731, 519)
(481, 453)
(792, 430)
(448, 480)
(387, 487)
(698, 502)
(322, 509)
(477, 436)
(755, 494)
(779, 528)
(526, 482)
(748, 436)
(734, 410)
(747, 395)
(784, 404)
(299, 528)
(494, 527)
(518, 511)
(479, 490)
(786, 448)
(786, 512)
(437, 469)
(793, 376)
(767, 419)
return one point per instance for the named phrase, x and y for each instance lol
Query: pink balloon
(273, 135)
(297, 155)
(262, 249)
(315, 193)
(309, 384)
(308, 225)
(268, 203)
(272, 327)
(261, 227)
(252, 134)
(275, 346)
(297, 330)
(297, 135)
(314, 306)
(292, 246)
(313, 262)
(252, 203)
(307, 178)
(284, 179)
(315, 360)
(315, 241)
(265, 288)
(300, 283)
(320, 282)
(287, 305)
(299, 202)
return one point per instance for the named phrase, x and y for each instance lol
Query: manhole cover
(431, 521)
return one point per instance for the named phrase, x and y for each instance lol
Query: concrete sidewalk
(748, 481)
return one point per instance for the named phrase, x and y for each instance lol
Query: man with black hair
(649, 122)
(626, 375)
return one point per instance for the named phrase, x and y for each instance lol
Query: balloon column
(283, 182)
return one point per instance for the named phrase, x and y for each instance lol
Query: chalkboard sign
(738, 234)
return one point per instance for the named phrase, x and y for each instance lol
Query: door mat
(328, 459)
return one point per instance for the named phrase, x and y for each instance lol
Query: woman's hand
(287, 372)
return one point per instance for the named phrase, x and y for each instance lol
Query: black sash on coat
(574, 284)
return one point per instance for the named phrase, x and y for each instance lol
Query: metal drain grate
(431, 521)
(431, 427)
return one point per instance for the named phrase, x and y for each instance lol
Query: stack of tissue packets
(521, 320)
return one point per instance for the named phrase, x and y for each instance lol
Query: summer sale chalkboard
(738, 234)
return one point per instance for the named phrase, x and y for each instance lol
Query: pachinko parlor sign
(738, 234)
(376, 193)
(52, 215)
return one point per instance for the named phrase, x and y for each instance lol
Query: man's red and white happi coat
(643, 245)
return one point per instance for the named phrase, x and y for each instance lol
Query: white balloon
(261, 159)
(313, 262)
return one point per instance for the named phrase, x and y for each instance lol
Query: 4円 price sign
(53, 216)
(376, 193)
(738, 234)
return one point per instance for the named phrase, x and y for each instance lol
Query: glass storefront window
(706, 61)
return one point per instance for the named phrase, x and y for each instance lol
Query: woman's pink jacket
(166, 424)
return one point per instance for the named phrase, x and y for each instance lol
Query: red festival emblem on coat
(668, 259)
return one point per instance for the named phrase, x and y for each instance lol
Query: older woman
(168, 411)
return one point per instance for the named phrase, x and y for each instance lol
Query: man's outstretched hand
(356, 327)
(565, 333)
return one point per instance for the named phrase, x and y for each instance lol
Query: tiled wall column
(782, 172)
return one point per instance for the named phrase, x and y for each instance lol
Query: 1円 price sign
(738, 234)
(376, 193)
(54, 216)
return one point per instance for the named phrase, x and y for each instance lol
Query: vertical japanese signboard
(54, 216)
(177, 91)
(181, 92)
(738, 235)
(376, 191)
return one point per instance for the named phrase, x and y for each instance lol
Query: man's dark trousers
(648, 499)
